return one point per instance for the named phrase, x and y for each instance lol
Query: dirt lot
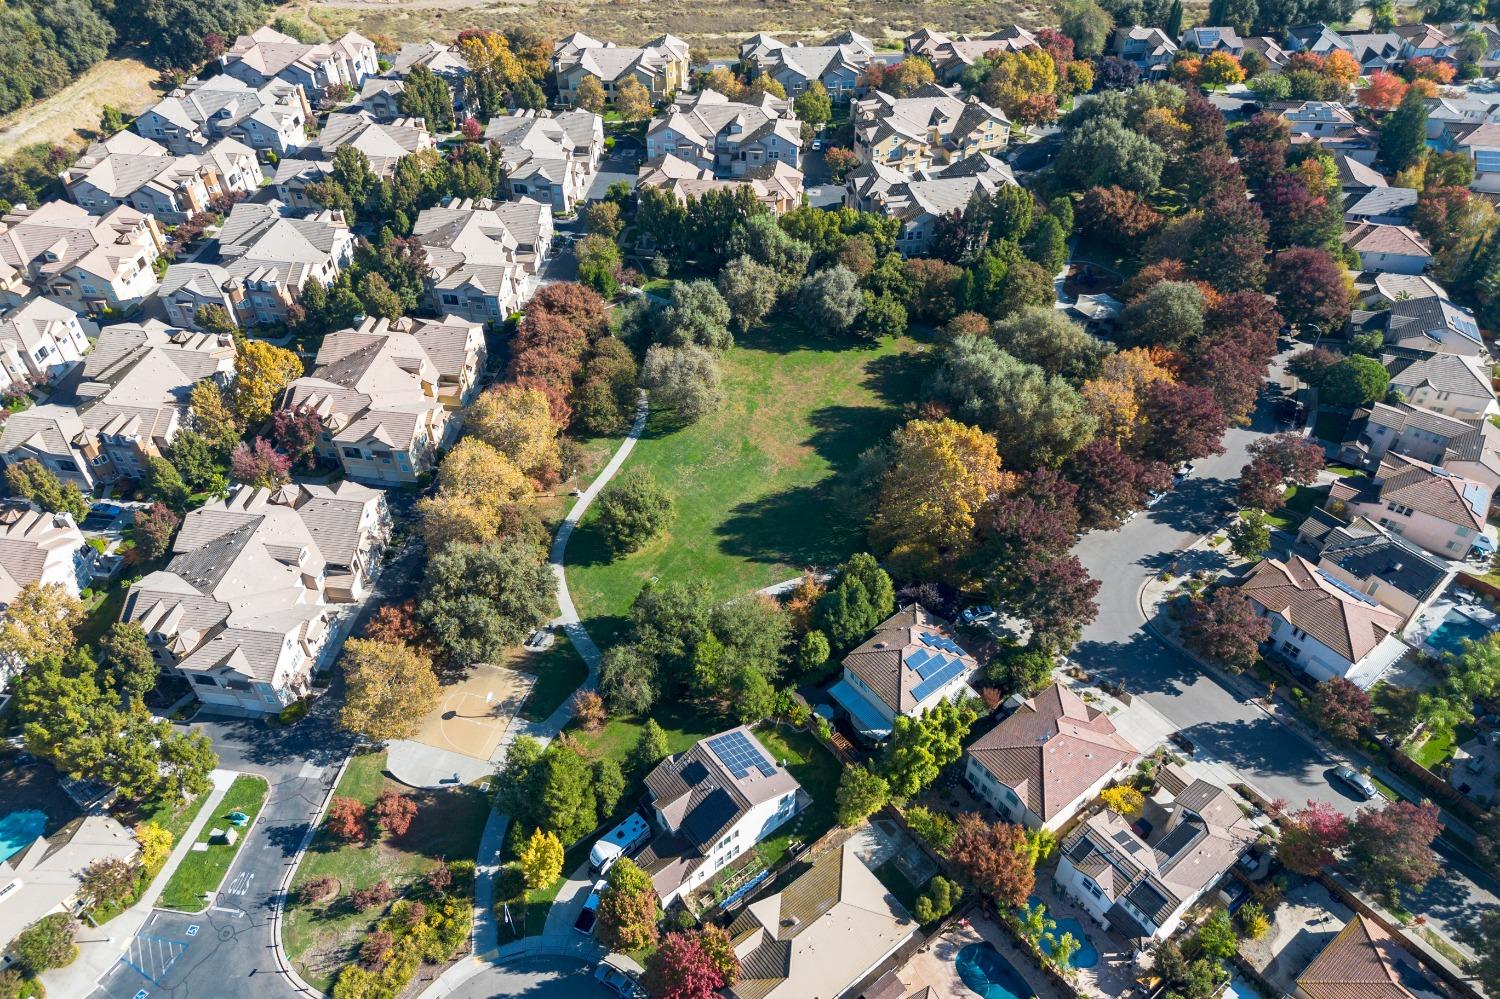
(713, 29)
(120, 83)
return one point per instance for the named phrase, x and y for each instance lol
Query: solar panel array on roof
(937, 679)
(941, 642)
(738, 754)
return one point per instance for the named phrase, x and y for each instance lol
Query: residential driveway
(534, 978)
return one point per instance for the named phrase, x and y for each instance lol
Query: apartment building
(933, 126)
(269, 257)
(661, 65)
(485, 256)
(127, 169)
(269, 118)
(86, 262)
(266, 55)
(548, 158)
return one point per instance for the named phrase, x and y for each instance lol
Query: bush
(348, 820)
(317, 889)
(46, 944)
(378, 894)
(940, 898)
(588, 708)
(632, 511)
(395, 812)
(374, 951)
(933, 828)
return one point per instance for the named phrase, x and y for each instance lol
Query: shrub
(317, 889)
(632, 511)
(378, 894)
(46, 944)
(588, 708)
(933, 828)
(348, 820)
(941, 896)
(376, 948)
(395, 812)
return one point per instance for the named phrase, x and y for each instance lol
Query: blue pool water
(989, 975)
(1086, 956)
(18, 829)
(1456, 626)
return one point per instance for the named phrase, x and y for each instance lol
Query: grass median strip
(202, 871)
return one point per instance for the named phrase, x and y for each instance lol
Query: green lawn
(683, 725)
(1439, 746)
(1342, 471)
(754, 482)
(817, 770)
(201, 871)
(1296, 503)
(1330, 425)
(320, 938)
(173, 818)
(102, 611)
(558, 671)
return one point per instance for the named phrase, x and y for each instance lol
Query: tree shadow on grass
(587, 546)
(797, 527)
(785, 336)
(447, 825)
(898, 378)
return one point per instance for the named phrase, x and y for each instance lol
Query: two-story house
(1147, 49)
(1428, 506)
(484, 257)
(910, 665)
(838, 65)
(445, 61)
(86, 262)
(1050, 756)
(270, 257)
(1375, 51)
(1362, 554)
(1392, 248)
(950, 56)
(40, 341)
(1322, 625)
(1319, 39)
(1405, 429)
(350, 523)
(920, 199)
(454, 347)
(39, 548)
(661, 65)
(266, 55)
(934, 125)
(1424, 41)
(186, 288)
(127, 169)
(711, 803)
(1208, 39)
(776, 185)
(1481, 143)
(728, 137)
(548, 158)
(384, 143)
(270, 118)
(1454, 385)
(1435, 324)
(1381, 205)
(1139, 877)
(1319, 119)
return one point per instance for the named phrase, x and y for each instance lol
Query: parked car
(618, 980)
(1156, 496)
(1358, 782)
(590, 913)
(1184, 470)
(1182, 742)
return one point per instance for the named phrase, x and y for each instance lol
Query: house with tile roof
(1139, 877)
(1323, 626)
(86, 262)
(1377, 563)
(548, 158)
(1433, 323)
(127, 406)
(932, 125)
(1424, 41)
(1429, 506)
(40, 341)
(711, 803)
(384, 143)
(127, 169)
(1454, 385)
(838, 64)
(919, 199)
(266, 55)
(1147, 49)
(776, 185)
(1364, 962)
(726, 137)
(270, 256)
(380, 97)
(445, 62)
(272, 117)
(484, 256)
(821, 935)
(911, 664)
(42, 548)
(1268, 49)
(454, 347)
(240, 609)
(661, 65)
(351, 524)
(1417, 433)
(1049, 757)
(1388, 248)
(376, 391)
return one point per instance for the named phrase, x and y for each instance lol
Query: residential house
(1363, 555)
(1139, 877)
(86, 262)
(1208, 39)
(270, 256)
(934, 125)
(824, 933)
(1147, 49)
(1318, 39)
(1376, 51)
(384, 143)
(186, 288)
(1451, 117)
(1430, 507)
(727, 137)
(1318, 119)
(350, 523)
(548, 158)
(1451, 384)
(1268, 49)
(127, 169)
(267, 55)
(1470, 450)
(839, 65)
(377, 396)
(239, 611)
(45, 875)
(40, 341)
(1433, 323)
(1049, 757)
(1364, 962)
(1356, 176)
(271, 118)
(454, 347)
(293, 179)
(661, 65)
(1381, 205)
(923, 197)
(127, 406)
(711, 803)
(484, 256)
(1424, 41)
(380, 97)
(1388, 248)
(910, 665)
(42, 548)
(1481, 143)
(951, 56)
(445, 61)
(776, 185)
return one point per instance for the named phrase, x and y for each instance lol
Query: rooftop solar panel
(739, 754)
(938, 679)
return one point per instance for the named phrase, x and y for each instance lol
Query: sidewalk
(100, 947)
(569, 944)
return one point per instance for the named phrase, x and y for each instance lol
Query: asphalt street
(534, 978)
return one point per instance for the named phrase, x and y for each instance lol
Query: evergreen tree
(1403, 137)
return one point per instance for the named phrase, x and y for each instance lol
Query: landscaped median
(202, 870)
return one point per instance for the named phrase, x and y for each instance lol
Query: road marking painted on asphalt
(240, 885)
(192, 930)
(142, 994)
(154, 956)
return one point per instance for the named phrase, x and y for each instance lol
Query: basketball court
(475, 712)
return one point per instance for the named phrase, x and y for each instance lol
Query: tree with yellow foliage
(540, 858)
(632, 100)
(262, 372)
(476, 486)
(1122, 799)
(391, 687)
(40, 623)
(156, 845)
(589, 95)
(1018, 75)
(518, 423)
(941, 473)
(1115, 406)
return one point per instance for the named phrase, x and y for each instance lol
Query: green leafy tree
(628, 908)
(1250, 536)
(1355, 381)
(478, 599)
(696, 315)
(861, 599)
(813, 105)
(685, 380)
(46, 944)
(126, 655)
(1216, 937)
(830, 300)
(427, 97)
(163, 482)
(627, 679)
(1403, 134)
(32, 480)
(921, 747)
(861, 793)
(650, 748)
(599, 263)
(813, 650)
(939, 900)
(633, 510)
(750, 289)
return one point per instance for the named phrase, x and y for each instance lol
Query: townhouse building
(918, 200)
(727, 137)
(1147, 49)
(548, 158)
(661, 65)
(933, 126)
(839, 64)
(776, 185)
(485, 256)
(87, 262)
(127, 169)
(266, 55)
(40, 341)
(951, 55)
(269, 257)
(268, 118)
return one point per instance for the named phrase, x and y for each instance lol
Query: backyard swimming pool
(1086, 956)
(987, 973)
(18, 829)
(1455, 627)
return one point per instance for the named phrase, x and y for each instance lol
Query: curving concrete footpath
(486, 937)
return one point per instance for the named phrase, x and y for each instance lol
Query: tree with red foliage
(1229, 246)
(214, 44)
(1384, 91)
(1341, 709)
(558, 407)
(1262, 144)
(395, 812)
(1225, 629)
(376, 948)
(932, 284)
(260, 464)
(1428, 68)
(1057, 45)
(1313, 365)
(1111, 483)
(1311, 838)
(1205, 173)
(683, 967)
(295, 433)
(1260, 486)
(1116, 215)
(1295, 458)
(1437, 212)
(1038, 518)
(578, 303)
(1392, 845)
(1148, 277)
(1035, 109)
(471, 128)
(348, 819)
(1228, 366)
(1183, 422)
(1055, 595)
(1248, 316)
(154, 527)
(395, 624)
(378, 895)
(1310, 287)
(547, 365)
(1297, 214)
(994, 857)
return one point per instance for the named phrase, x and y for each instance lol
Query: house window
(352, 452)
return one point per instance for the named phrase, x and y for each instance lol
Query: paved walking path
(100, 947)
(486, 927)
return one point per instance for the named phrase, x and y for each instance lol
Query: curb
(156, 907)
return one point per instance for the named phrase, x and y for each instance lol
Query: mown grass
(558, 671)
(202, 871)
(817, 770)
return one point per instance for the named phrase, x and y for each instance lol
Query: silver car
(1358, 781)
